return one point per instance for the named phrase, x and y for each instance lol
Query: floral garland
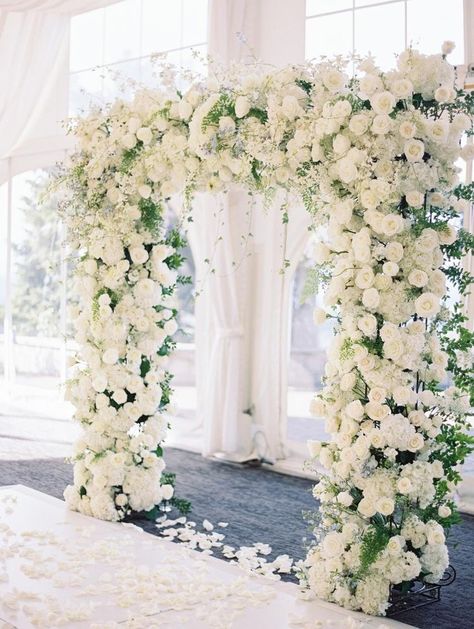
(373, 159)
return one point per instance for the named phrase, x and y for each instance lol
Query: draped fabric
(34, 70)
(242, 309)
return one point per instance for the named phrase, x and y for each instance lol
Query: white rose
(341, 144)
(438, 130)
(343, 211)
(345, 499)
(392, 224)
(99, 382)
(355, 410)
(381, 124)
(129, 140)
(402, 88)
(333, 80)
(369, 199)
(167, 491)
(369, 83)
(416, 442)
(393, 349)
(415, 198)
(147, 292)
(371, 298)
(119, 396)
(390, 268)
(407, 129)
(383, 102)
(418, 278)
(427, 305)
(393, 251)
(138, 254)
(242, 106)
(367, 324)
(359, 124)
(427, 241)
(364, 277)
(342, 109)
(404, 485)
(348, 381)
(444, 511)
(367, 507)
(385, 506)
(414, 150)
(448, 235)
(377, 411)
(347, 170)
(377, 395)
(110, 356)
(145, 135)
(402, 395)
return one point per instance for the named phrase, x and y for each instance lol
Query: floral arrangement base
(419, 594)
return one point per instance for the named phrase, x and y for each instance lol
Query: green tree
(37, 263)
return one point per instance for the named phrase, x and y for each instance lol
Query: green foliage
(223, 107)
(128, 157)
(317, 277)
(95, 300)
(373, 543)
(260, 114)
(455, 446)
(256, 172)
(151, 215)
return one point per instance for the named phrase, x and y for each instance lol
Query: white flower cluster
(370, 161)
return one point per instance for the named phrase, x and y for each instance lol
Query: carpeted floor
(262, 506)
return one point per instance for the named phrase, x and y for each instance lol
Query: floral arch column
(373, 159)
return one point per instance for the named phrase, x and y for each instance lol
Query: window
(119, 41)
(383, 28)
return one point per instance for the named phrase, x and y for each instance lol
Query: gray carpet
(262, 506)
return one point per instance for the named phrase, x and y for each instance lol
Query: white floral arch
(373, 159)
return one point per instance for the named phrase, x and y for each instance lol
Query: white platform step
(63, 569)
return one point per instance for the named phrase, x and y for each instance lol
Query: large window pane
(161, 25)
(194, 22)
(121, 79)
(430, 22)
(308, 347)
(122, 31)
(386, 39)
(87, 40)
(85, 88)
(329, 35)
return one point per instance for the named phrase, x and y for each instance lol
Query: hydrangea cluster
(373, 159)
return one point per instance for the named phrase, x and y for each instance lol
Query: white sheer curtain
(241, 313)
(34, 70)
